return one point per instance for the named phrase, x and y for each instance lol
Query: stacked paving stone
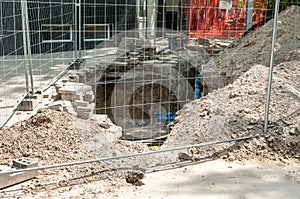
(79, 95)
(136, 47)
(133, 52)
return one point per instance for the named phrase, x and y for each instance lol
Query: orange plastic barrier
(221, 18)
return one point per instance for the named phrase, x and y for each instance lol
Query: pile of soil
(255, 47)
(238, 110)
(58, 137)
(49, 136)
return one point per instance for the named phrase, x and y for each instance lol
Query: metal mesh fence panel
(37, 45)
(12, 64)
(149, 84)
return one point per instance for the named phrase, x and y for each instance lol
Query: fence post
(271, 67)
(79, 29)
(23, 10)
(188, 21)
(75, 31)
(250, 6)
(28, 46)
(116, 24)
(164, 18)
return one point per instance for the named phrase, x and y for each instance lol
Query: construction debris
(76, 98)
(134, 178)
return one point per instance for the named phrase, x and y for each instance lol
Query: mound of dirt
(238, 110)
(55, 137)
(49, 136)
(255, 48)
(58, 137)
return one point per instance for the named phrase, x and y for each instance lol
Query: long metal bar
(116, 24)
(189, 15)
(249, 12)
(164, 18)
(75, 19)
(155, 21)
(130, 155)
(30, 67)
(79, 29)
(267, 112)
(181, 15)
(25, 44)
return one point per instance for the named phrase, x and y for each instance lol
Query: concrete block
(87, 88)
(50, 92)
(115, 63)
(60, 105)
(134, 61)
(56, 106)
(30, 103)
(7, 180)
(102, 120)
(165, 58)
(134, 54)
(71, 97)
(84, 109)
(71, 88)
(22, 163)
(99, 117)
(81, 103)
(89, 96)
(84, 115)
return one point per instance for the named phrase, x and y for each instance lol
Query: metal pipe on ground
(130, 155)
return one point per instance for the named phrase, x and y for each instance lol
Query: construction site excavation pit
(141, 86)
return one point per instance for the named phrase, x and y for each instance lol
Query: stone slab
(71, 97)
(71, 88)
(81, 103)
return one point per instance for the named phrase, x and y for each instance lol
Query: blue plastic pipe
(198, 87)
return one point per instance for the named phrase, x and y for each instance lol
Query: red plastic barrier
(209, 19)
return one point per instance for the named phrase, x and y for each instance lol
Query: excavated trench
(142, 88)
(136, 111)
(138, 105)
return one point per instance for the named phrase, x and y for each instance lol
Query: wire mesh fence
(175, 75)
(36, 46)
